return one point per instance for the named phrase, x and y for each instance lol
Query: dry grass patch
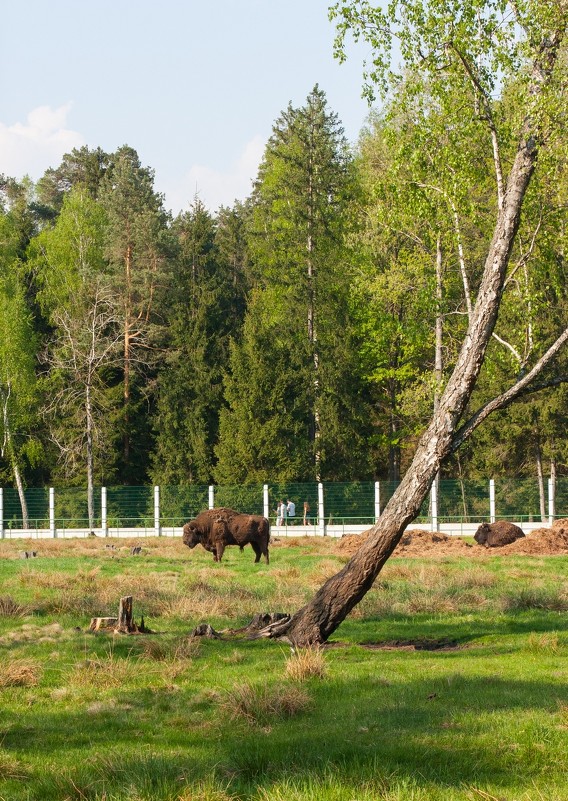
(291, 573)
(20, 673)
(10, 768)
(306, 663)
(324, 571)
(261, 705)
(319, 545)
(206, 791)
(105, 672)
(11, 608)
(168, 649)
(547, 642)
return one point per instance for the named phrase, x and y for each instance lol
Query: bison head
(482, 534)
(191, 536)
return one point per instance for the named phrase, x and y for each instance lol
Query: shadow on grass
(458, 630)
(449, 730)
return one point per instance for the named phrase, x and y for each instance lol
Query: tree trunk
(90, 458)
(316, 621)
(13, 461)
(127, 353)
(125, 622)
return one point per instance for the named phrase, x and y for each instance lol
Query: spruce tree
(207, 291)
(299, 220)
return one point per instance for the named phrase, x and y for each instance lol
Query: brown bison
(214, 529)
(495, 535)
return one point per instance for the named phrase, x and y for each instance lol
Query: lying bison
(495, 535)
(214, 529)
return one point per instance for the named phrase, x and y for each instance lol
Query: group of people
(286, 511)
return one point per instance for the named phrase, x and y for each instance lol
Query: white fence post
(321, 511)
(377, 501)
(1, 513)
(52, 528)
(157, 528)
(434, 504)
(551, 501)
(104, 524)
(265, 504)
(491, 500)
(211, 496)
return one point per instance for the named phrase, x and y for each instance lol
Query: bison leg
(256, 548)
(220, 550)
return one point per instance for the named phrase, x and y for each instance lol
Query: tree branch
(521, 388)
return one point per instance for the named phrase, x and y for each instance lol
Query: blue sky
(193, 85)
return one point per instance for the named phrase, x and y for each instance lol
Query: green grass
(164, 717)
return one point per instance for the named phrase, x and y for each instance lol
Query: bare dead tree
(88, 339)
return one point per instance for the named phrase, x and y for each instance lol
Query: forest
(306, 333)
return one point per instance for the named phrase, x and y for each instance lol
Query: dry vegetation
(306, 663)
(20, 673)
(260, 705)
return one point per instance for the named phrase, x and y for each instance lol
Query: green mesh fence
(37, 501)
(244, 498)
(300, 494)
(353, 501)
(129, 507)
(71, 508)
(180, 504)
(467, 501)
(348, 502)
(561, 497)
(519, 498)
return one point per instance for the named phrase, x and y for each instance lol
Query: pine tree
(137, 248)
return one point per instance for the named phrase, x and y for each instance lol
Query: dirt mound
(418, 543)
(414, 542)
(541, 541)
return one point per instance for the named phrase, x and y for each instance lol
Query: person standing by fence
(281, 513)
(290, 509)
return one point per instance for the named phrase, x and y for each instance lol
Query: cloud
(30, 148)
(215, 188)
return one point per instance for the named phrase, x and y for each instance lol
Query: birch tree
(78, 299)
(478, 45)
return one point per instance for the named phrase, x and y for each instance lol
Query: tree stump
(125, 623)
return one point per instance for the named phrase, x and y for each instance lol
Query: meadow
(449, 681)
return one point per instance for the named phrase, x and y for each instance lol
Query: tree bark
(14, 462)
(316, 621)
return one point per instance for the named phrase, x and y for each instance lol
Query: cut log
(98, 623)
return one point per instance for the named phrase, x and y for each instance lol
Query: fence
(335, 508)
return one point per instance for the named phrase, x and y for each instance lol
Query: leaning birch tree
(475, 45)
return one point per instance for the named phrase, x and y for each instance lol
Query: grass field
(449, 680)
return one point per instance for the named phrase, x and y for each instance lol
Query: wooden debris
(123, 624)
(98, 623)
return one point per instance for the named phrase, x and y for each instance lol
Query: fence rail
(352, 506)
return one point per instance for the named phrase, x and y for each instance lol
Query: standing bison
(495, 535)
(214, 529)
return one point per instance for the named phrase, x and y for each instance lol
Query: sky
(194, 86)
